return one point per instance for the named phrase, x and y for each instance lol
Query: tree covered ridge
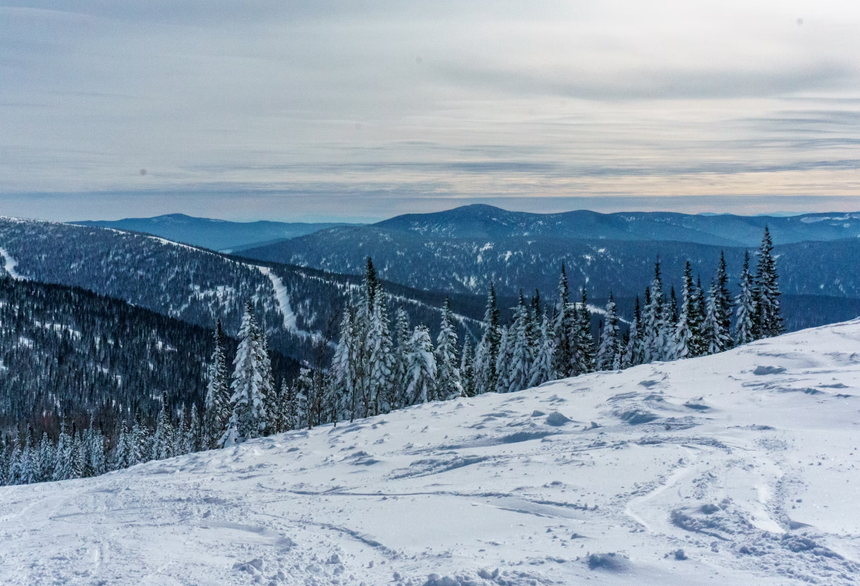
(377, 369)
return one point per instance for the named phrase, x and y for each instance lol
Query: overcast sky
(361, 110)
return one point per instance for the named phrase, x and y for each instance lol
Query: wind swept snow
(739, 468)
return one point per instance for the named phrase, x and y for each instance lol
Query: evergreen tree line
(379, 366)
(377, 369)
(237, 407)
(89, 452)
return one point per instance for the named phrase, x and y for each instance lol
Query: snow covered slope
(746, 461)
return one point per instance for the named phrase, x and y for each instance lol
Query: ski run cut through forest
(736, 468)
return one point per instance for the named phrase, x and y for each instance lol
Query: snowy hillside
(298, 306)
(738, 468)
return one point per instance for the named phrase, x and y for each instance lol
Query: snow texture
(744, 471)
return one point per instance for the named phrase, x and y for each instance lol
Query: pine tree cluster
(376, 370)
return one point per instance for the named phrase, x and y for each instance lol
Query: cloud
(386, 99)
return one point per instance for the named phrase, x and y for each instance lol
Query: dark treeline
(73, 359)
(379, 366)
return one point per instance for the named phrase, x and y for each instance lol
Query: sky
(356, 110)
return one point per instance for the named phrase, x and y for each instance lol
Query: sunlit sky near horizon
(363, 110)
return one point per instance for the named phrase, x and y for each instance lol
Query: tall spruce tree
(217, 402)
(768, 315)
(421, 374)
(248, 417)
(607, 355)
(634, 350)
(745, 311)
(503, 360)
(448, 379)
(403, 337)
(584, 352)
(723, 302)
(487, 352)
(163, 439)
(717, 339)
(341, 380)
(563, 327)
(521, 352)
(655, 326)
(542, 367)
(685, 329)
(379, 396)
(467, 369)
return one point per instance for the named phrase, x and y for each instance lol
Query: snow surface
(10, 264)
(739, 468)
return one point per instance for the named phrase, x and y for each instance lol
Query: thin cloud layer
(361, 105)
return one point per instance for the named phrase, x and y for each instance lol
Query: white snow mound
(740, 468)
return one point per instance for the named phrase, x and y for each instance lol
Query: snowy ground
(746, 461)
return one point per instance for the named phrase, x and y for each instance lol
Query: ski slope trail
(739, 468)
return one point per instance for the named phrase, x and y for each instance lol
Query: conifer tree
(306, 406)
(673, 314)
(448, 380)
(13, 466)
(607, 354)
(723, 302)
(633, 351)
(63, 460)
(268, 391)
(520, 366)
(380, 363)
(301, 407)
(195, 437)
(139, 442)
(487, 352)
(29, 459)
(216, 409)
(542, 367)
(467, 369)
(119, 455)
(421, 373)
(96, 453)
(163, 439)
(655, 327)
(745, 304)
(716, 338)
(403, 338)
(47, 459)
(562, 329)
(768, 321)
(4, 461)
(342, 375)
(585, 354)
(287, 405)
(248, 418)
(685, 330)
(503, 360)
(79, 456)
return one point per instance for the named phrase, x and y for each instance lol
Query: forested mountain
(299, 308)
(468, 265)
(213, 234)
(487, 222)
(72, 354)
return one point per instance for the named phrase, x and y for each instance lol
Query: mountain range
(213, 234)
(300, 307)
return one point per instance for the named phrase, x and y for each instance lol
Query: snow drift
(738, 468)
